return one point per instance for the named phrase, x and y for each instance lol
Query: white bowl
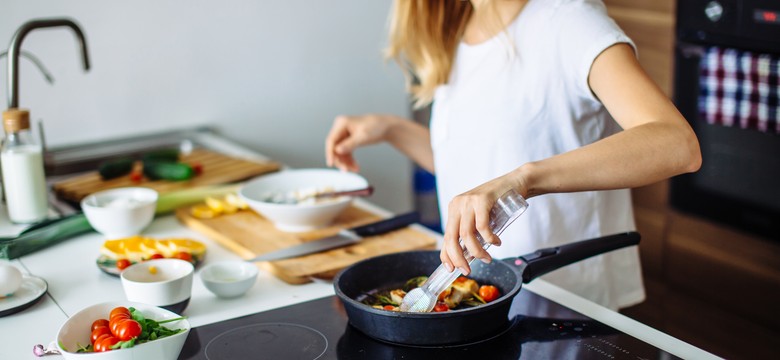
(166, 283)
(229, 279)
(301, 216)
(120, 212)
(77, 330)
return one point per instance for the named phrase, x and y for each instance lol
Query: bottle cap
(15, 120)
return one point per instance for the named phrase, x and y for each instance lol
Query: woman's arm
(656, 143)
(351, 132)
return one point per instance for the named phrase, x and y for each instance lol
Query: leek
(50, 232)
(173, 200)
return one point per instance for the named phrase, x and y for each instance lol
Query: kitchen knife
(343, 238)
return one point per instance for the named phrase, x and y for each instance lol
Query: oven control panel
(735, 23)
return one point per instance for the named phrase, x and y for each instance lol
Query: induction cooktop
(537, 329)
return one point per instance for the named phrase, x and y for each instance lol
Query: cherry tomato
(488, 292)
(115, 321)
(98, 323)
(127, 329)
(197, 168)
(441, 307)
(460, 279)
(99, 339)
(389, 307)
(156, 256)
(118, 317)
(121, 264)
(98, 331)
(118, 314)
(105, 343)
(184, 256)
(136, 176)
(118, 310)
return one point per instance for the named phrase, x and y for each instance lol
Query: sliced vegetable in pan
(463, 293)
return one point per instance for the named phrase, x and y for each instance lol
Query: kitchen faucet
(14, 50)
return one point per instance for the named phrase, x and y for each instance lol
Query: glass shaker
(507, 209)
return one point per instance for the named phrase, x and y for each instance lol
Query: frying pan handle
(545, 260)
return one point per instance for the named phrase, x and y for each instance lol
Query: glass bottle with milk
(22, 164)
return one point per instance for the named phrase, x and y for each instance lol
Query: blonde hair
(424, 35)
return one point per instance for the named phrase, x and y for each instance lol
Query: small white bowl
(120, 212)
(229, 279)
(166, 283)
(77, 330)
(302, 216)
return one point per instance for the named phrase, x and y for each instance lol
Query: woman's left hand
(468, 214)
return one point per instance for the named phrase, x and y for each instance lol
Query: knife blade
(343, 238)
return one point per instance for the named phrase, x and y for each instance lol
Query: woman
(545, 97)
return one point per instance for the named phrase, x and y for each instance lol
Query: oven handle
(689, 50)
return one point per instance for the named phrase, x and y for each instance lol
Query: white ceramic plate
(31, 290)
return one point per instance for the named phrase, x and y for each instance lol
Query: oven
(726, 86)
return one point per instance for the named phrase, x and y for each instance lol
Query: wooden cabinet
(707, 284)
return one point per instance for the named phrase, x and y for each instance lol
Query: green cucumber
(163, 155)
(156, 170)
(115, 168)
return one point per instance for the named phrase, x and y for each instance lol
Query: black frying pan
(455, 326)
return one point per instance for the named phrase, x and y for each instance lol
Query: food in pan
(463, 293)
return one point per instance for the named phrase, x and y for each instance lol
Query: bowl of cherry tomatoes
(123, 330)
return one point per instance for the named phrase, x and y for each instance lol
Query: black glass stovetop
(537, 329)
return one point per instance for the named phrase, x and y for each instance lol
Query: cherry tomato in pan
(98, 323)
(99, 331)
(488, 292)
(389, 307)
(156, 256)
(121, 264)
(441, 307)
(127, 329)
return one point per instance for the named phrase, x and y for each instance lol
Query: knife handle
(393, 223)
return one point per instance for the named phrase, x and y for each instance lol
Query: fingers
(468, 227)
(337, 132)
(339, 144)
(451, 250)
(460, 235)
(470, 238)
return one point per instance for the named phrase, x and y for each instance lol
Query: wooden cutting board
(248, 234)
(217, 169)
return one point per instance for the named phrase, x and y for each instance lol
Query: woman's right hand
(351, 132)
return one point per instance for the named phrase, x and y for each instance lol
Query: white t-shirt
(523, 96)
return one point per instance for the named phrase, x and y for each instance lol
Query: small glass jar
(24, 182)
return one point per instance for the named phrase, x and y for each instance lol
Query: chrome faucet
(14, 50)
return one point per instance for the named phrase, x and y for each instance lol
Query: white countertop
(75, 282)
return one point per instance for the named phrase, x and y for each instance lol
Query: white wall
(268, 74)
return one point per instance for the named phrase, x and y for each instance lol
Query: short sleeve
(584, 31)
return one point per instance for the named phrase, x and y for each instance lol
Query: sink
(68, 160)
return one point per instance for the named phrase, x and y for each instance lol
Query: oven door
(739, 181)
